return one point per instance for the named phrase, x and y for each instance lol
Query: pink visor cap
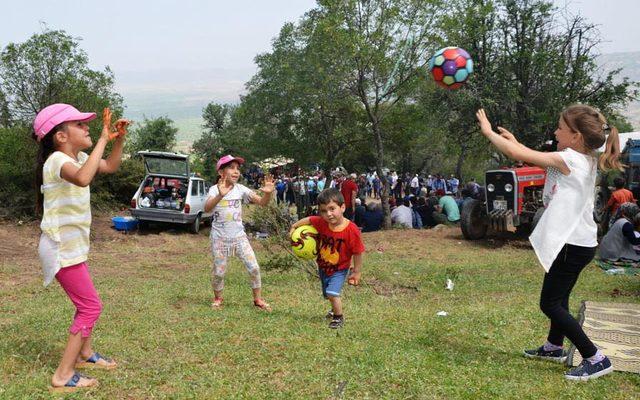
(226, 160)
(56, 114)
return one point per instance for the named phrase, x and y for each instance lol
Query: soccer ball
(303, 242)
(451, 67)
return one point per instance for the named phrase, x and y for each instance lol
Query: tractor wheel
(473, 220)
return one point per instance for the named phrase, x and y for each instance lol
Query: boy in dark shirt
(338, 241)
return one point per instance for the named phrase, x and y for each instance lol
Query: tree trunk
(461, 157)
(384, 194)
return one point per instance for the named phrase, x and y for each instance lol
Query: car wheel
(195, 225)
(143, 225)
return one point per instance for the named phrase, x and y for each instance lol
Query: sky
(207, 47)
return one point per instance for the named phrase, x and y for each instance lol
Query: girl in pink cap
(63, 176)
(227, 231)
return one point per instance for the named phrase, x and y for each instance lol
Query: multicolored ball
(451, 67)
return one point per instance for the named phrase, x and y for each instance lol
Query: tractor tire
(536, 218)
(473, 220)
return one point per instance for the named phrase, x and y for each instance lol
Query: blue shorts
(332, 285)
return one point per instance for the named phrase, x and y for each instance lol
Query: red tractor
(513, 201)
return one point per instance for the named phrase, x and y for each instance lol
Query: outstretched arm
(507, 144)
(267, 188)
(300, 222)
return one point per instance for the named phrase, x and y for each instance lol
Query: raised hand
(224, 186)
(121, 127)
(268, 185)
(485, 125)
(507, 135)
(106, 125)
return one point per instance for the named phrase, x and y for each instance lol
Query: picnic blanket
(620, 267)
(615, 329)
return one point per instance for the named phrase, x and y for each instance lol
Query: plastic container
(124, 223)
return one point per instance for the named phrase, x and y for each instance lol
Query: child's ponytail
(594, 128)
(610, 159)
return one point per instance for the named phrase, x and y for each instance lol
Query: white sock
(596, 358)
(551, 347)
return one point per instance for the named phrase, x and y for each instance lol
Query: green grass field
(157, 323)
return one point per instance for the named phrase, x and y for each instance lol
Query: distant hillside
(630, 64)
(181, 95)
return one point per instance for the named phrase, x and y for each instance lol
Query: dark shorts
(332, 285)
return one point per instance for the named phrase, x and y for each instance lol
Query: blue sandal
(72, 384)
(92, 362)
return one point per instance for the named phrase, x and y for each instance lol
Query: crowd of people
(416, 200)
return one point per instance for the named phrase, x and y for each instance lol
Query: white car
(169, 192)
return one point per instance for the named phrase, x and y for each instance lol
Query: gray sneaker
(586, 371)
(558, 356)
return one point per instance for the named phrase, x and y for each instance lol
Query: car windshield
(166, 166)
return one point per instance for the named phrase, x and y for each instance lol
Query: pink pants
(76, 281)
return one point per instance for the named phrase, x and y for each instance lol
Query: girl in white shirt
(565, 239)
(227, 230)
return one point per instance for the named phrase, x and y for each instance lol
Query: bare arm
(300, 222)
(356, 270)
(84, 175)
(267, 188)
(224, 187)
(212, 202)
(506, 143)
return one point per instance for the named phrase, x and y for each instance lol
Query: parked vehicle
(513, 201)
(169, 192)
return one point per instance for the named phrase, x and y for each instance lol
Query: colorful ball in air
(451, 67)
(303, 242)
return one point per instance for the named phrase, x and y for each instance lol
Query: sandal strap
(95, 357)
(73, 381)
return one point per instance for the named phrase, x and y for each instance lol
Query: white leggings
(222, 248)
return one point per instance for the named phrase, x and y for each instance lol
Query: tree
(210, 146)
(387, 43)
(48, 68)
(156, 134)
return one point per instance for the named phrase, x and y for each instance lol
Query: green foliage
(157, 134)
(17, 172)
(212, 144)
(276, 220)
(118, 188)
(50, 67)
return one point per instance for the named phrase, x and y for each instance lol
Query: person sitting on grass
(618, 197)
(339, 241)
(403, 214)
(619, 242)
(227, 231)
(372, 219)
(447, 211)
(359, 214)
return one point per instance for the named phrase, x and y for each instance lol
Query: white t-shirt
(226, 221)
(568, 215)
(402, 215)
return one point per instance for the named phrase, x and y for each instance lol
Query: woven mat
(615, 329)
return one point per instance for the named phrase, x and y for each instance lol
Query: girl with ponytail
(565, 239)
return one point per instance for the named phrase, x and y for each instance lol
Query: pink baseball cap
(55, 114)
(226, 160)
